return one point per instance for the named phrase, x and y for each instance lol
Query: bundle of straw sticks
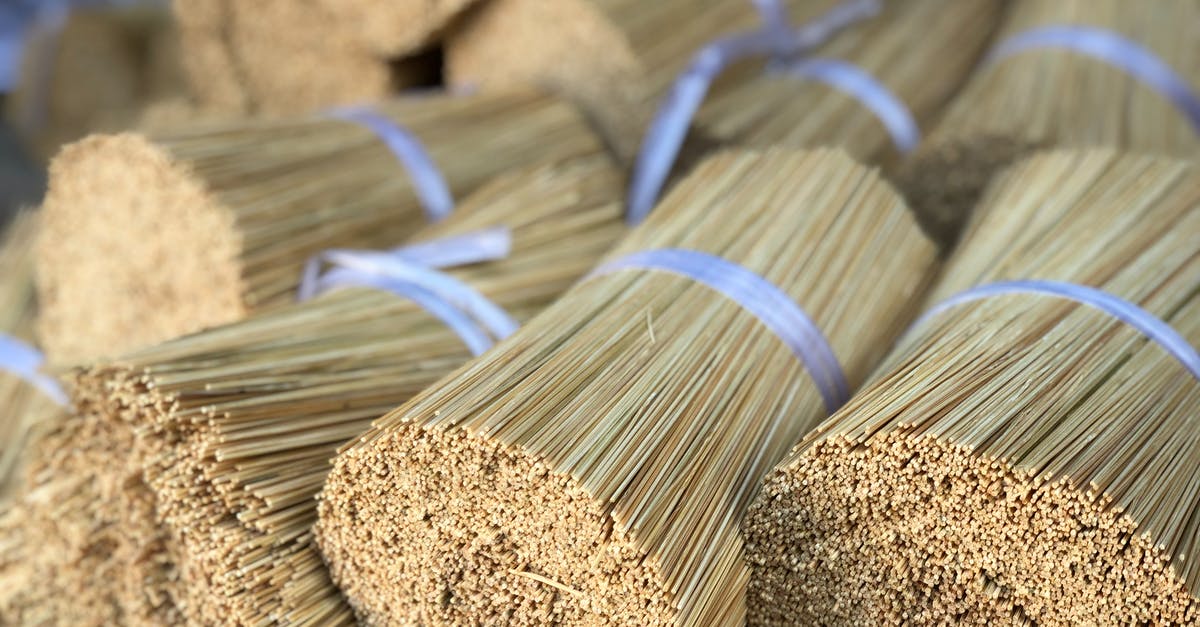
(147, 239)
(232, 429)
(793, 105)
(1035, 91)
(614, 57)
(595, 466)
(619, 61)
(1021, 457)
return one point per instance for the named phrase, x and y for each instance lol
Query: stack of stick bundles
(619, 59)
(1065, 73)
(147, 239)
(287, 57)
(28, 400)
(204, 454)
(92, 69)
(1028, 453)
(594, 466)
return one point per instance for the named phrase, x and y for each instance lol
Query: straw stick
(232, 429)
(612, 443)
(25, 408)
(1021, 456)
(150, 238)
(1053, 96)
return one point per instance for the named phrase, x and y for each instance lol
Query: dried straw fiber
(232, 429)
(594, 466)
(1047, 97)
(1021, 459)
(615, 57)
(147, 239)
(618, 59)
(922, 72)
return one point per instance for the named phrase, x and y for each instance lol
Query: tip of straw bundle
(501, 538)
(904, 528)
(122, 218)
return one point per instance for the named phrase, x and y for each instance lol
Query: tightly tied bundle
(1063, 73)
(1028, 453)
(594, 466)
(147, 239)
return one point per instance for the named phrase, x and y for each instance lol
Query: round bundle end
(434, 526)
(133, 251)
(921, 531)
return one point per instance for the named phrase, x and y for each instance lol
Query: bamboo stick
(147, 239)
(1048, 97)
(593, 468)
(1020, 458)
(231, 429)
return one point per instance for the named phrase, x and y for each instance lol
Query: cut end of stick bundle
(902, 529)
(513, 572)
(183, 267)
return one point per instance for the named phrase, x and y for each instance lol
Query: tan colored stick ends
(147, 239)
(595, 465)
(231, 430)
(1020, 458)
(1055, 97)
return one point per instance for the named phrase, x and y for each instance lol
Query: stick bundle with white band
(231, 430)
(1033, 434)
(866, 87)
(1107, 73)
(152, 238)
(594, 467)
(618, 59)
